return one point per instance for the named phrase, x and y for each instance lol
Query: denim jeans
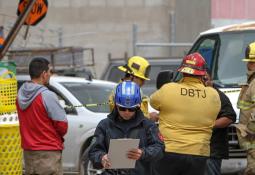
(213, 166)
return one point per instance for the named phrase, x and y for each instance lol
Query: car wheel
(86, 166)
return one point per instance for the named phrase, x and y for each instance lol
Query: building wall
(238, 11)
(107, 25)
(192, 18)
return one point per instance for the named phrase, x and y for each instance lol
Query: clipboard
(117, 153)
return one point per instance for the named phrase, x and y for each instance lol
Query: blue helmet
(128, 94)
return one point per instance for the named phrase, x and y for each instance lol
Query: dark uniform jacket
(139, 127)
(219, 140)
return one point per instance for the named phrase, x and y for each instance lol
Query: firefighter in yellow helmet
(138, 67)
(246, 104)
(137, 70)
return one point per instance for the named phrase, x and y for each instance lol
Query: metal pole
(60, 37)
(172, 26)
(134, 38)
(16, 28)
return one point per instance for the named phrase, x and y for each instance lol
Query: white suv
(73, 91)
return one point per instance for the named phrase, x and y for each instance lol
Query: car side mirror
(164, 77)
(69, 110)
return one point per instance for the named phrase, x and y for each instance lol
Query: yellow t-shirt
(188, 111)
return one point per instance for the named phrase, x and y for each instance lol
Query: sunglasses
(129, 109)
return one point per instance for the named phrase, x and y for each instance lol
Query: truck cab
(223, 49)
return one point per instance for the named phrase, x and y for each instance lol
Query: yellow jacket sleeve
(144, 106)
(111, 101)
(155, 100)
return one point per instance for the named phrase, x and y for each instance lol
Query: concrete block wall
(106, 25)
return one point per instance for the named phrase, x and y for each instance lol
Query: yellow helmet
(137, 66)
(250, 53)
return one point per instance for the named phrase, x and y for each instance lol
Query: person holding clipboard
(126, 124)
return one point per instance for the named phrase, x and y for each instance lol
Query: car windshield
(223, 53)
(91, 94)
(230, 70)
